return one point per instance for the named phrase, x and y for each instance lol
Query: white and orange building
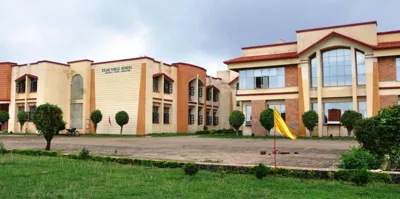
(327, 69)
(158, 97)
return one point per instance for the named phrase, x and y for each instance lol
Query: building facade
(328, 69)
(158, 97)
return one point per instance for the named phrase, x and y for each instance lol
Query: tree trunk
(48, 145)
(22, 127)
(95, 128)
(121, 129)
(237, 132)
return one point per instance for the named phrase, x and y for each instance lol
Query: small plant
(236, 120)
(22, 118)
(84, 154)
(358, 158)
(213, 131)
(349, 119)
(360, 177)
(310, 120)
(267, 119)
(190, 169)
(96, 116)
(122, 118)
(261, 171)
(3, 149)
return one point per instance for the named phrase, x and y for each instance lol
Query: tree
(4, 117)
(349, 119)
(96, 118)
(22, 118)
(267, 119)
(122, 118)
(48, 118)
(310, 120)
(236, 120)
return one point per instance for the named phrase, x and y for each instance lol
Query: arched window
(77, 88)
(337, 67)
(360, 58)
(313, 66)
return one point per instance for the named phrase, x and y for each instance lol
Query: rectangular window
(200, 119)
(336, 67)
(191, 90)
(21, 108)
(155, 84)
(209, 119)
(281, 108)
(32, 108)
(248, 113)
(362, 108)
(167, 86)
(33, 85)
(314, 72)
(208, 94)
(21, 86)
(314, 106)
(215, 120)
(262, 78)
(200, 91)
(190, 117)
(398, 68)
(341, 106)
(155, 115)
(166, 115)
(360, 60)
(215, 96)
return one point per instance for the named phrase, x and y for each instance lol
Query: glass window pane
(250, 83)
(314, 82)
(273, 81)
(333, 81)
(361, 79)
(332, 61)
(281, 81)
(347, 70)
(348, 80)
(265, 72)
(341, 81)
(257, 73)
(272, 71)
(360, 69)
(332, 71)
(340, 71)
(347, 52)
(326, 61)
(326, 81)
(281, 71)
(398, 74)
(242, 82)
(250, 73)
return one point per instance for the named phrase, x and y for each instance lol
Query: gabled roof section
(388, 45)
(165, 76)
(338, 26)
(212, 86)
(233, 81)
(262, 57)
(26, 75)
(335, 34)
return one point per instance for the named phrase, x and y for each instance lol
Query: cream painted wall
(270, 50)
(110, 100)
(389, 37)
(263, 64)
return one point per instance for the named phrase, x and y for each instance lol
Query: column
(369, 75)
(354, 79)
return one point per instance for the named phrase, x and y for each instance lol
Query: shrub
(310, 120)
(22, 118)
(3, 149)
(34, 152)
(47, 119)
(122, 118)
(96, 116)
(84, 154)
(267, 119)
(61, 127)
(360, 177)
(190, 169)
(261, 171)
(381, 177)
(4, 117)
(236, 120)
(358, 158)
(349, 119)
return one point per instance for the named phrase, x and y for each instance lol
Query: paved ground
(312, 153)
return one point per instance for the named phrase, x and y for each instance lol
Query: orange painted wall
(5, 81)
(186, 73)
(141, 121)
(92, 96)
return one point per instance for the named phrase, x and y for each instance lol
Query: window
(313, 72)
(337, 67)
(342, 106)
(398, 68)
(77, 87)
(33, 85)
(262, 78)
(362, 108)
(215, 119)
(155, 115)
(155, 84)
(360, 61)
(248, 113)
(21, 86)
(21, 107)
(281, 108)
(216, 95)
(191, 90)
(190, 117)
(208, 94)
(200, 91)
(167, 86)
(209, 118)
(32, 108)
(314, 106)
(166, 115)
(200, 116)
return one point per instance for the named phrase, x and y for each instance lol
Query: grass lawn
(51, 177)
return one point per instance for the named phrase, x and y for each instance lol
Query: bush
(236, 120)
(261, 171)
(310, 120)
(47, 119)
(267, 119)
(122, 118)
(22, 118)
(61, 127)
(34, 152)
(190, 169)
(84, 154)
(349, 119)
(96, 116)
(360, 177)
(3, 149)
(4, 117)
(358, 158)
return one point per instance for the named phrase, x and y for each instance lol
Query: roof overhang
(26, 75)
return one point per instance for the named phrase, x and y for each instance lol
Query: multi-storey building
(158, 97)
(328, 69)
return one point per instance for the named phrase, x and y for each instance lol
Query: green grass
(53, 177)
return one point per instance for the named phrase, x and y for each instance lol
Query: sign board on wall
(120, 69)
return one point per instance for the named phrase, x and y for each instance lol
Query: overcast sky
(201, 32)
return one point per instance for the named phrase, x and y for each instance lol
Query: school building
(328, 69)
(158, 97)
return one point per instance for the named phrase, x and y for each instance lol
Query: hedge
(343, 175)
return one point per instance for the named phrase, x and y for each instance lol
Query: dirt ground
(311, 153)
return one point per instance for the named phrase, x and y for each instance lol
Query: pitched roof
(262, 57)
(165, 76)
(388, 45)
(23, 77)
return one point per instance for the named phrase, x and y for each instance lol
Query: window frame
(156, 84)
(327, 70)
(357, 67)
(397, 65)
(166, 118)
(156, 116)
(21, 86)
(33, 87)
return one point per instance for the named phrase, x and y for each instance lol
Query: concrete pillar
(319, 93)
(369, 75)
(354, 78)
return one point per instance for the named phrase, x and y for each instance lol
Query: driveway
(311, 153)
